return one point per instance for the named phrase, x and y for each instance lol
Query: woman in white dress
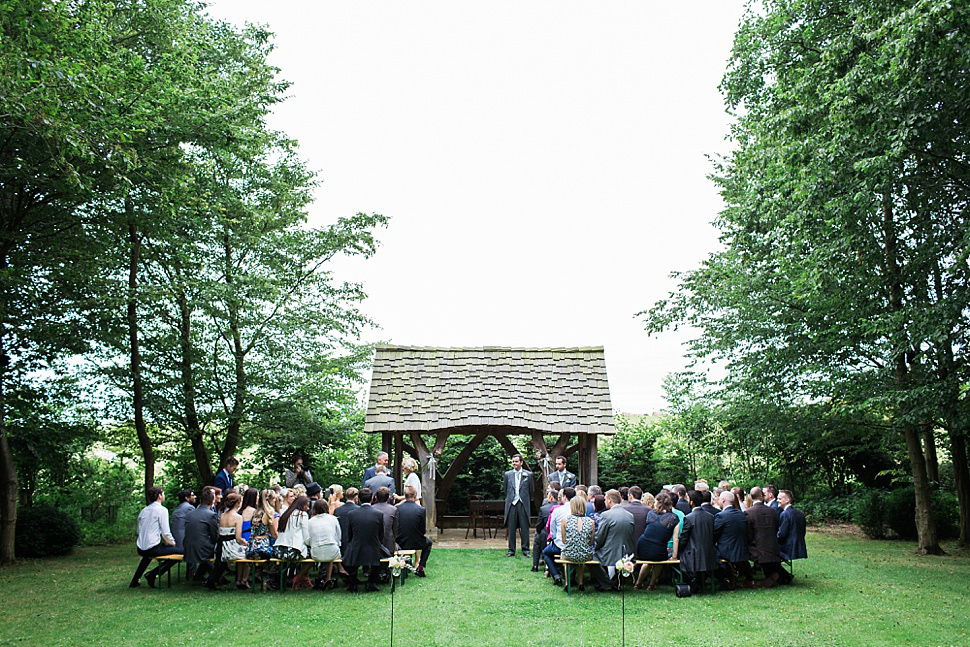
(324, 530)
(409, 468)
(294, 538)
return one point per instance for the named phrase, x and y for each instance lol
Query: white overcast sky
(543, 163)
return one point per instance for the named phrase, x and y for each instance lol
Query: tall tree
(847, 190)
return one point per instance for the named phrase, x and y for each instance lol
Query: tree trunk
(138, 396)
(925, 525)
(961, 470)
(929, 448)
(8, 476)
(238, 357)
(192, 429)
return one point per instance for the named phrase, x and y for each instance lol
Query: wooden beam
(593, 449)
(459, 463)
(569, 452)
(427, 483)
(560, 446)
(439, 442)
(545, 464)
(506, 444)
(398, 458)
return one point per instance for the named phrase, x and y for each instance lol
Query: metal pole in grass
(392, 609)
(623, 611)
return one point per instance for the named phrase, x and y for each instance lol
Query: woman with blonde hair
(263, 530)
(336, 494)
(578, 532)
(231, 536)
(410, 469)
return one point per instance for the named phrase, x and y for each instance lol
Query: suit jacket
(369, 473)
(526, 487)
(774, 505)
(343, 517)
(762, 524)
(731, 535)
(201, 535)
(639, 512)
(697, 553)
(568, 480)
(614, 536)
(179, 515)
(791, 534)
(683, 506)
(379, 481)
(709, 509)
(543, 518)
(223, 481)
(365, 528)
(411, 524)
(390, 525)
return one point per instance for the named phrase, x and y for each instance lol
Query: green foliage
(46, 531)
(883, 514)
(827, 510)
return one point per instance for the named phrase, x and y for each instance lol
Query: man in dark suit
(614, 539)
(381, 497)
(343, 515)
(681, 503)
(518, 503)
(791, 533)
(706, 506)
(224, 479)
(564, 477)
(382, 459)
(380, 479)
(771, 497)
(731, 539)
(365, 530)
(639, 511)
(552, 495)
(201, 535)
(698, 556)
(762, 524)
(411, 528)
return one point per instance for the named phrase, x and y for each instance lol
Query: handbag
(682, 590)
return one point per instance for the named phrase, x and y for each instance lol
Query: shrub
(870, 513)
(45, 531)
(881, 514)
(827, 510)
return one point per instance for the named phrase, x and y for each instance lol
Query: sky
(544, 165)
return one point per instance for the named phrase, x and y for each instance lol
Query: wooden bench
(286, 563)
(674, 565)
(257, 562)
(568, 564)
(178, 566)
(412, 553)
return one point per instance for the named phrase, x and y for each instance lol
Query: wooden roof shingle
(551, 390)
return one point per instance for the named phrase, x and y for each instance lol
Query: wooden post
(398, 459)
(427, 484)
(542, 454)
(583, 467)
(592, 448)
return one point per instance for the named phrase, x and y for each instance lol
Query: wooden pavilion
(557, 394)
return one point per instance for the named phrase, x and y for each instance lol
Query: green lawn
(850, 592)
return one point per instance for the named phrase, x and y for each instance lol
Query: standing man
(564, 476)
(298, 474)
(771, 497)
(154, 538)
(382, 459)
(518, 504)
(380, 479)
(223, 479)
(411, 528)
(179, 514)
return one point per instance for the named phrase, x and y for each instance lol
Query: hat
(313, 489)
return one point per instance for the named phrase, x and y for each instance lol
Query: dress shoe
(151, 580)
(134, 584)
(535, 569)
(526, 553)
(420, 572)
(511, 553)
(557, 581)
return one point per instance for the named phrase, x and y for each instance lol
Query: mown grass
(850, 592)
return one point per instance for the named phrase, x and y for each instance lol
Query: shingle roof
(550, 390)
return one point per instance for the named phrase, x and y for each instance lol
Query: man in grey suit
(698, 558)
(201, 535)
(562, 475)
(614, 539)
(179, 514)
(379, 480)
(518, 503)
(390, 513)
(381, 459)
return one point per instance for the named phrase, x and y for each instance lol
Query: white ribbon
(432, 462)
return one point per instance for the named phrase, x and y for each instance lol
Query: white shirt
(518, 484)
(153, 526)
(414, 482)
(297, 533)
(555, 524)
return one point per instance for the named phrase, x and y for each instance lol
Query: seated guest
(706, 506)
(614, 540)
(365, 532)
(201, 536)
(381, 502)
(791, 533)
(542, 537)
(380, 479)
(635, 507)
(185, 506)
(231, 535)
(154, 538)
(763, 537)
(223, 479)
(731, 540)
(343, 512)
(411, 528)
(681, 503)
(594, 490)
(297, 474)
(578, 532)
(263, 530)
(287, 497)
(599, 507)
(336, 497)
(556, 544)
(698, 557)
(739, 498)
(324, 531)
(652, 545)
(294, 538)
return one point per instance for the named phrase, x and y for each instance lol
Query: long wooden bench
(567, 573)
(178, 566)
(284, 564)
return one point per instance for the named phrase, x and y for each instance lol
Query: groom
(518, 504)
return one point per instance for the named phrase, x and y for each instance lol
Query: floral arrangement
(398, 562)
(624, 566)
